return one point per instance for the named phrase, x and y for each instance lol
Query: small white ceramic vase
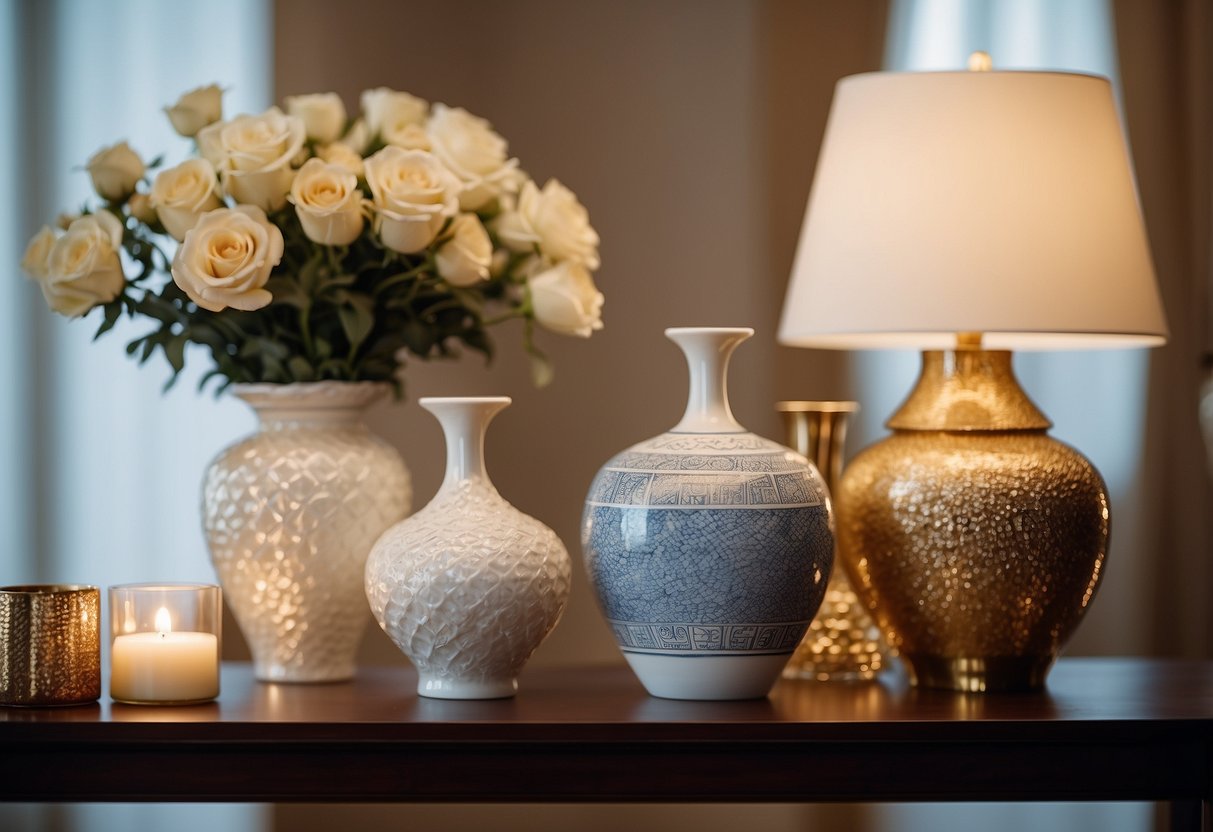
(469, 586)
(290, 514)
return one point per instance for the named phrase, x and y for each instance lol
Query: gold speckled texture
(50, 645)
(291, 514)
(978, 550)
(842, 642)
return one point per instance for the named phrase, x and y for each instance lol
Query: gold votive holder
(164, 643)
(842, 643)
(50, 645)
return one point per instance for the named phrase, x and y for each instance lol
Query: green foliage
(339, 313)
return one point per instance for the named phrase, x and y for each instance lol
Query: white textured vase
(469, 586)
(290, 514)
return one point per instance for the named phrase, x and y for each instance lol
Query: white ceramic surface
(290, 514)
(469, 586)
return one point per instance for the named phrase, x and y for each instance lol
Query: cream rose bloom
(227, 258)
(382, 107)
(253, 155)
(196, 109)
(413, 195)
(182, 194)
(565, 299)
(142, 208)
(552, 219)
(358, 137)
(82, 268)
(328, 203)
(114, 171)
(407, 136)
(37, 252)
(470, 148)
(464, 260)
(342, 155)
(323, 115)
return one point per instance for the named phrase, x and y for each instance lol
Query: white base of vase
(707, 677)
(270, 672)
(438, 688)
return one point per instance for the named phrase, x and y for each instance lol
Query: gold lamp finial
(980, 61)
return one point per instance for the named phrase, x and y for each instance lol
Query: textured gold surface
(842, 642)
(969, 390)
(977, 549)
(50, 645)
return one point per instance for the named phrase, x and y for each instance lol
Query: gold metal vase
(976, 540)
(842, 642)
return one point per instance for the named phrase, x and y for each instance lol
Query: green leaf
(418, 337)
(310, 274)
(478, 339)
(287, 291)
(357, 316)
(300, 369)
(113, 311)
(174, 351)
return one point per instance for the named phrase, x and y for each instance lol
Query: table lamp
(966, 214)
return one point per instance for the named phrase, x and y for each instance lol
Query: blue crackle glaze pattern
(708, 544)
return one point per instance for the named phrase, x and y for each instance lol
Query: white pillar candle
(164, 666)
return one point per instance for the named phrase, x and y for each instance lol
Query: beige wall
(690, 130)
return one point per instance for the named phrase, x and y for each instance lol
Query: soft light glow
(164, 622)
(992, 202)
(980, 62)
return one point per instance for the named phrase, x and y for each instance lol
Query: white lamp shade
(992, 202)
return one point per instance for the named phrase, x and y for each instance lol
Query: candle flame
(164, 622)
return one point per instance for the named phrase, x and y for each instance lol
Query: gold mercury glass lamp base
(842, 643)
(976, 540)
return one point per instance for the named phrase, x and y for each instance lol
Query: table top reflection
(1103, 729)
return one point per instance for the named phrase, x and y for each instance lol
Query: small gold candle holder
(842, 643)
(50, 645)
(165, 643)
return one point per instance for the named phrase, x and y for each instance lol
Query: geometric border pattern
(686, 490)
(718, 639)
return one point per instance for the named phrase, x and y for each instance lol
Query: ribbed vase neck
(311, 405)
(968, 390)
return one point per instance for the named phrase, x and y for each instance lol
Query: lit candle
(164, 666)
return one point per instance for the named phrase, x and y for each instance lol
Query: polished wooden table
(1106, 729)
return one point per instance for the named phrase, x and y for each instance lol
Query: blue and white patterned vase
(709, 547)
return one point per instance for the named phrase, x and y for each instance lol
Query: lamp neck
(968, 389)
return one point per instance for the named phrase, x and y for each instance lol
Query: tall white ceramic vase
(290, 514)
(469, 586)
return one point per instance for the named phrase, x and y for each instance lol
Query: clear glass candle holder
(165, 640)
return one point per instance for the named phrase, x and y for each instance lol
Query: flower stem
(305, 331)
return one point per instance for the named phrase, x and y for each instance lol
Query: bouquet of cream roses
(310, 246)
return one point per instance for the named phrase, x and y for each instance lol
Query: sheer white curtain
(1096, 399)
(101, 473)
